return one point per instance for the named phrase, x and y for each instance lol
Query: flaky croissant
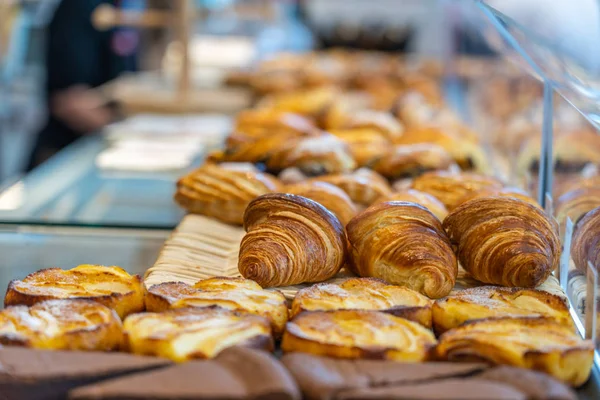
(412, 160)
(404, 244)
(263, 122)
(329, 196)
(290, 240)
(364, 186)
(240, 148)
(428, 201)
(222, 193)
(366, 145)
(576, 203)
(504, 241)
(502, 192)
(586, 241)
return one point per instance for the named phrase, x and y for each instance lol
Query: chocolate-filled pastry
(364, 186)
(358, 334)
(364, 294)
(407, 161)
(501, 192)
(366, 145)
(263, 122)
(111, 286)
(290, 240)
(329, 196)
(537, 343)
(428, 201)
(576, 203)
(188, 333)
(495, 301)
(61, 325)
(325, 154)
(452, 188)
(222, 193)
(504, 241)
(403, 244)
(232, 293)
(586, 241)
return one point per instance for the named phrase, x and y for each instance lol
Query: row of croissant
(355, 318)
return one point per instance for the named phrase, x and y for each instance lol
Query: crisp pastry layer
(367, 145)
(188, 333)
(495, 301)
(407, 161)
(290, 240)
(61, 325)
(504, 241)
(364, 294)
(576, 203)
(111, 286)
(512, 192)
(403, 244)
(537, 343)
(329, 196)
(231, 293)
(222, 193)
(358, 334)
(258, 123)
(586, 241)
(428, 201)
(364, 186)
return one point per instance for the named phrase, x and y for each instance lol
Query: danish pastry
(504, 241)
(290, 240)
(363, 185)
(412, 160)
(403, 244)
(586, 241)
(331, 197)
(428, 201)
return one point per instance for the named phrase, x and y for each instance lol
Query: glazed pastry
(363, 186)
(364, 294)
(412, 160)
(383, 122)
(261, 122)
(537, 343)
(576, 203)
(111, 286)
(452, 188)
(319, 155)
(61, 325)
(428, 201)
(291, 176)
(585, 246)
(358, 334)
(190, 333)
(495, 301)
(403, 244)
(290, 240)
(504, 241)
(236, 294)
(222, 193)
(240, 148)
(366, 145)
(511, 192)
(329, 196)
(308, 102)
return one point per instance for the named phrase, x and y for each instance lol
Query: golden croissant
(502, 192)
(404, 244)
(428, 201)
(329, 196)
(258, 123)
(576, 203)
(504, 241)
(585, 246)
(363, 185)
(222, 193)
(366, 145)
(290, 240)
(407, 161)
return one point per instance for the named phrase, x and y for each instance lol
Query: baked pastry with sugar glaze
(504, 241)
(428, 201)
(329, 196)
(364, 186)
(407, 161)
(111, 286)
(358, 334)
(404, 244)
(290, 240)
(586, 241)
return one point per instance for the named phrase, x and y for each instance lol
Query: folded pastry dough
(329, 196)
(428, 201)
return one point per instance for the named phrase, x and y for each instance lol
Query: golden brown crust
(61, 325)
(222, 193)
(241, 148)
(501, 192)
(110, 286)
(236, 294)
(495, 301)
(586, 241)
(189, 333)
(305, 102)
(329, 196)
(581, 182)
(363, 186)
(451, 188)
(404, 244)
(428, 201)
(364, 294)
(529, 342)
(406, 161)
(366, 144)
(379, 121)
(576, 203)
(358, 334)
(257, 123)
(504, 241)
(290, 240)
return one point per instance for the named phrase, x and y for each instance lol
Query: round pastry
(290, 240)
(504, 241)
(403, 244)
(329, 196)
(407, 161)
(363, 185)
(428, 201)
(586, 241)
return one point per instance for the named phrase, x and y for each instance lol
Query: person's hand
(81, 109)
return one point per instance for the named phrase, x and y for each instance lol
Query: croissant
(363, 185)
(290, 240)
(262, 122)
(222, 193)
(582, 182)
(240, 148)
(504, 241)
(305, 102)
(380, 121)
(501, 192)
(576, 203)
(404, 244)
(586, 241)
(366, 145)
(428, 201)
(413, 160)
(331, 197)
(452, 188)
